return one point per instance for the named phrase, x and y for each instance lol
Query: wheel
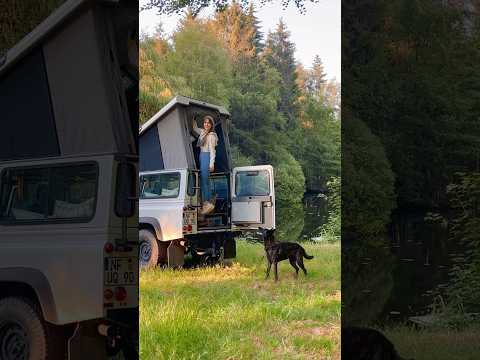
(24, 334)
(148, 256)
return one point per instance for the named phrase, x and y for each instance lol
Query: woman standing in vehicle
(207, 141)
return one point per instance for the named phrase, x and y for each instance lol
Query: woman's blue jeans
(204, 173)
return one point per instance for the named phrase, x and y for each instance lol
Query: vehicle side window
(49, 194)
(27, 194)
(72, 192)
(166, 185)
(252, 183)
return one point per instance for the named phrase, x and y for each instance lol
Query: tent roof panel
(180, 100)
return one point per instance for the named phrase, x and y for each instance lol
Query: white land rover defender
(170, 228)
(68, 186)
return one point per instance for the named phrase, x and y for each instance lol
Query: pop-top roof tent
(166, 140)
(61, 91)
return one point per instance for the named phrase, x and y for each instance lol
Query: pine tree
(279, 53)
(253, 22)
(317, 78)
(238, 31)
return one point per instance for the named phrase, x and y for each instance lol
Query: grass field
(436, 344)
(234, 313)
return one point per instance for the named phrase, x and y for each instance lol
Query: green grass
(436, 343)
(234, 313)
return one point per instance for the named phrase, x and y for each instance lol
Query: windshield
(252, 183)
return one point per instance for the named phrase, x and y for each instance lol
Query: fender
(154, 223)
(39, 283)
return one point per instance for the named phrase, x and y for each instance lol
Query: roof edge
(180, 100)
(41, 31)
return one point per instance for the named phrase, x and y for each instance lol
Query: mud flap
(86, 343)
(175, 254)
(162, 252)
(229, 249)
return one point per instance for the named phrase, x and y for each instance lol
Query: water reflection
(290, 222)
(301, 221)
(367, 280)
(394, 277)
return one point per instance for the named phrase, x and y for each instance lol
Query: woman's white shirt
(209, 144)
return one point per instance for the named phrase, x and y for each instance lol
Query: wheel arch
(32, 284)
(152, 224)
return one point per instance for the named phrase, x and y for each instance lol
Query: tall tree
(279, 52)
(237, 31)
(317, 79)
(253, 21)
(195, 65)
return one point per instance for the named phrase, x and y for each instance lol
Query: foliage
(198, 65)
(18, 18)
(463, 289)
(238, 31)
(169, 7)
(333, 228)
(368, 194)
(289, 178)
(238, 159)
(279, 53)
(290, 220)
(316, 143)
(413, 79)
(195, 65)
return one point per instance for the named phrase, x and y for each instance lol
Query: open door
(253, 197)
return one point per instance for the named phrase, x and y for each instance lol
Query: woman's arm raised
(195, 128)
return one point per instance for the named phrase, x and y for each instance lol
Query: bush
(369, 182)
(331, 231)
(289, 178)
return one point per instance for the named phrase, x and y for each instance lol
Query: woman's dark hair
(210, 120)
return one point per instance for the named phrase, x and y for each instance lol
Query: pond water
(421, 261)
(301, 221)
(399, 275)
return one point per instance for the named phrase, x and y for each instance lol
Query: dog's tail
(306, 256)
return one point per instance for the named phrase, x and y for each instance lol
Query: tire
(148, 254)
(24, 335)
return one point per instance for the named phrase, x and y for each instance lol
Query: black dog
(359, 343)
(279, 251)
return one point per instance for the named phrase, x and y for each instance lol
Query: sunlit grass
(435, 343)
(234, 313)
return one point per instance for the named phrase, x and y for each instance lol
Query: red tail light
(189, 227)
(108, 247)
(120, 293)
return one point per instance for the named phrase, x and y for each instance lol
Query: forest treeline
(283, 113)
(18, 18)
(411, 128)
